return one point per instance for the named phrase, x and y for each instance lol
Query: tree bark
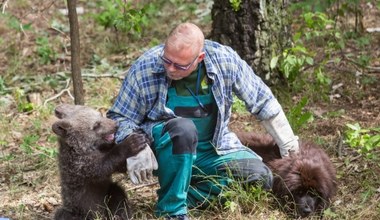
(257, 31)
(75, 53)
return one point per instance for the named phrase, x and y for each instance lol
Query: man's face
(180, 63)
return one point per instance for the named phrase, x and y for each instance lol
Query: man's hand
(141, 166)
(289, 148)
(278, 127)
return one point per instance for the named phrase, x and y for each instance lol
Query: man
(181, 94)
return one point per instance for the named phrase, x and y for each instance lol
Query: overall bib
(191, 179)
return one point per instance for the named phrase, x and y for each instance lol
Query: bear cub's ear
(64, 110)
(61, 127)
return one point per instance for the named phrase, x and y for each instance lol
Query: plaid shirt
(142, 97)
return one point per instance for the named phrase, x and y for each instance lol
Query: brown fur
(306, 179)
(87, 158)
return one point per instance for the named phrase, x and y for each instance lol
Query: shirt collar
(159, 66)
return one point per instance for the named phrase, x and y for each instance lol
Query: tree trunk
(257, 31)
(75, 53)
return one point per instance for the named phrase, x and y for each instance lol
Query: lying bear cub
(305, 182)
(87, 158)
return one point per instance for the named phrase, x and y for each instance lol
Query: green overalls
(191, 180)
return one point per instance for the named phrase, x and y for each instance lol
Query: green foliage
(330, 214)
(291, 62)
(294, 60)
(16, 24)
(28, 142)
(45, 51)
(336, 114)
(362, 42)
(123, 16)
(321, 27)
(298, 117)
(235, 4)
(363, 60)
(365, 141)
(316, 22)
(240, 197)
(22, 104)
(369, 80)
(56, 24)
(321, 78)
(3, 145)
(238, 106)
(341, 7)
(2, 86)
(30, 146)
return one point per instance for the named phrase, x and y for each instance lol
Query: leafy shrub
(45, 51)
(298, 117)
(22, 104)
(365, 141)
(122, 16)
(295, 60)
(291, 62)
(15, 23)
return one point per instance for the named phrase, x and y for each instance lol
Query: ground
(29, 184)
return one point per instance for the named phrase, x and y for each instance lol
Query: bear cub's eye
(96, 126)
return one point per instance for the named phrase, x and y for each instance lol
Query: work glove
(279, 128)
(140, 167)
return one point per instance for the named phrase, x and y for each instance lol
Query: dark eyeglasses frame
(176, 65)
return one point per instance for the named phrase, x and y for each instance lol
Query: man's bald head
(185, 36)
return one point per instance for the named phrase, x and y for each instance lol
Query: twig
(59, 31)
(22, 30)
(353, 159)
(142, 186)
(339, 144)
(58, 95)
(47, 6)
(90, 75)
(61, 93)
(373, 69)
(369, 69)
(66, 89)
(4, 5)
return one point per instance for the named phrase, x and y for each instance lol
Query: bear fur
(87, 158)
(305, 182)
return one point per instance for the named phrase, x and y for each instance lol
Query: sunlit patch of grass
(242, 201)
(102, 92)
(27, 159)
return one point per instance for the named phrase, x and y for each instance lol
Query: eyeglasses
(176, 65)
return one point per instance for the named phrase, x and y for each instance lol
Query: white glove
(140, 167)
(279, 128)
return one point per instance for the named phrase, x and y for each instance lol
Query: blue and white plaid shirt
(142, 97)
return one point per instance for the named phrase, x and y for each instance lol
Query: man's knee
(183, 134)
(250, 171)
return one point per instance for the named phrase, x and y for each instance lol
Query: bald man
(180, 94)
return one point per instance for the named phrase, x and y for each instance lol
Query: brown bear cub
(87, 158)
(305, 182)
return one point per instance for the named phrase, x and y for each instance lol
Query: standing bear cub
(87, 158)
